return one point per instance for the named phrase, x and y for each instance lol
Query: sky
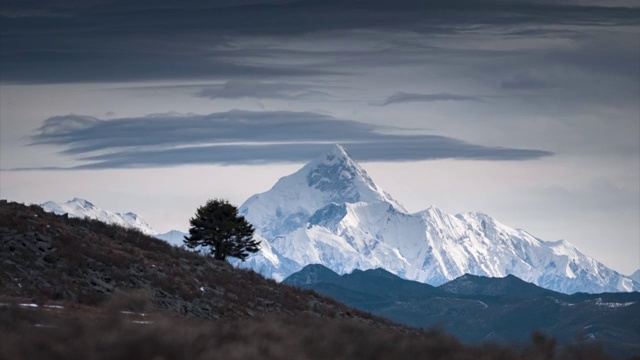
(525, 110)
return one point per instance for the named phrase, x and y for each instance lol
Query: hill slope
(44, 256)
(77, 276)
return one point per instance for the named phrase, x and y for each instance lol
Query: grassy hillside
(46, 257)
(73, 288)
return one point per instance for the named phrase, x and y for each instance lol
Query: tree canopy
(218, 227)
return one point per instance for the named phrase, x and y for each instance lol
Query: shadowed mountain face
(509, 286)
(476, 308)
(380, 285)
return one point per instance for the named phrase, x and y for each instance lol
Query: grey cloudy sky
(526, 110)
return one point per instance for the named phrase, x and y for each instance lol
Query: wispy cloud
(239, 89)
(525, 81)
(403, 97)
(237, 137)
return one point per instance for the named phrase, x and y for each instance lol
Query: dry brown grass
(37, 334)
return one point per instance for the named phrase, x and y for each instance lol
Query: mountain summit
(333, 179)
(331, 212)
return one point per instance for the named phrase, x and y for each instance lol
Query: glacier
(331, 212)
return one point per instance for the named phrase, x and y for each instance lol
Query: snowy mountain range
(81, 208)
(331, 212)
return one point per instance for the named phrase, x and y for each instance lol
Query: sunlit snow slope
(331, 212)
(81, 208)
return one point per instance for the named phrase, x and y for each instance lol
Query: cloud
(123, 41)
(524, 81)
(69, 67)
(244, 137)
(239, 89)
(402, 97)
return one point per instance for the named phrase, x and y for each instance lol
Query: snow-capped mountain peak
(333, 178)
(332, 213)
(342, 179)
(82, 208)
(81, 202)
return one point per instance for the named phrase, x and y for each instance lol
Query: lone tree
(218, 226)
